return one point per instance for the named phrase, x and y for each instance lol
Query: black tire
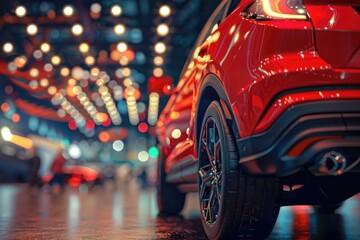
(327, 208)
(233, 205)
(170, 200)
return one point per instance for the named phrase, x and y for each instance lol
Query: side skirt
(185, 174)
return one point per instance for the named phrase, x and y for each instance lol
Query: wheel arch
(212, 90)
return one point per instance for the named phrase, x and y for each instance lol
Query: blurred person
(124, 175)
(34, 166)
(143, 178)
(58, 171)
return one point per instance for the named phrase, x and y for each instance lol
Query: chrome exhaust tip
(332, 163)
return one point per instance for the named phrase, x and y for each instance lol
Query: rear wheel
(170, 200)
(233, 205)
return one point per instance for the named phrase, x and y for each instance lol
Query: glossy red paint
(256, 61)
(281, 104)
(341, 25)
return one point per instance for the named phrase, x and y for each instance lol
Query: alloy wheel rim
(210, 172)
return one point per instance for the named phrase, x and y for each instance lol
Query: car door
(176, 122)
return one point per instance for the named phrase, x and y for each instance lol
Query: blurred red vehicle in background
(75, 175)
(266, 114)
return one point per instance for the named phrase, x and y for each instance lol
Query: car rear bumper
(301, 135)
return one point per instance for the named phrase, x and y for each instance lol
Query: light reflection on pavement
(105, 213)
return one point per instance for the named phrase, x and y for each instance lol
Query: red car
(266, 114)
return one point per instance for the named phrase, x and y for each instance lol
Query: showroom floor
(105, 213)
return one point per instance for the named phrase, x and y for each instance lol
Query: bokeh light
(118, 145)
(164, 11)
(32, 29)
(20, 11)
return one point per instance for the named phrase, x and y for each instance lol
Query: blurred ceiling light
(52, 90)
(37, 54)
(102, 117)
(162, 29)
(34, 72)
(32, 29)
(77, 29)
(33, 84)
(61, 113)
(76, 90)
(71, 82)
(64, 72)
(8, 47)
(45, 47)
(164, 11)
(48, 67)
(118, 145)
(56, 60)
(119, 29)
(68, 10)
(158, 72)
(103, 90)
(116, 10)
(126, 72)
(160, 47)
(74, 151)
(143, 156)
(158, 60)
(44, 82)
(95, 8)
(95, 71)
(20, 61)
(89, 60)
(12, 67)
(122, 47)
(20, 11)
(123, 61)
(84, 47)
(77, 72)
(127, 82)
(153, 108)
(6, 134)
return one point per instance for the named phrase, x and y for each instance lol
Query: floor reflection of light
(118, 206)
(351, 209)
(284, 221)
(301, 222)
(73, 212)
(7, 197)
(7, 204)
(153, 207)
(143, 208)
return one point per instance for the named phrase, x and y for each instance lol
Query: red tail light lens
(278, 9)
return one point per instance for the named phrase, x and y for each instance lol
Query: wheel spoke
(206, 174)
(211, 158)
(217, 149)
(209, 205)
(218, 191)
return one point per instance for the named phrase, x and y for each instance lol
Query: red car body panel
(257, 61)
(283, 103)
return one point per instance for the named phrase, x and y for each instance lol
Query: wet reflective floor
(105, 213)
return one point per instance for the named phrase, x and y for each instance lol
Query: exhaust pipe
(332, 163)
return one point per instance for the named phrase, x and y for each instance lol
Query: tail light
(277, 9)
